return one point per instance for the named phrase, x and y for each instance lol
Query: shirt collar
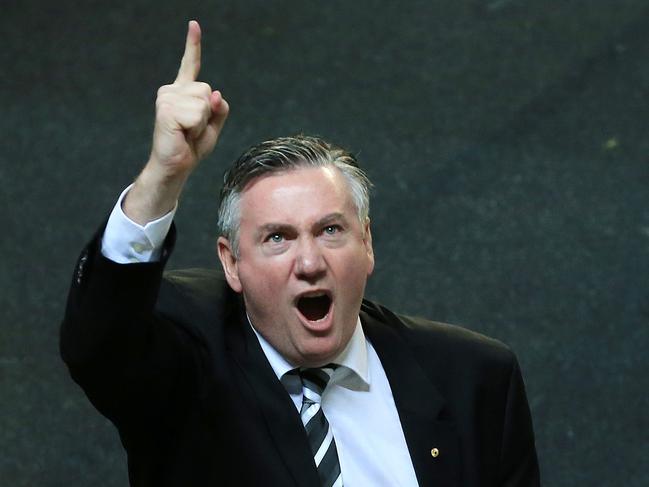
(353, 371)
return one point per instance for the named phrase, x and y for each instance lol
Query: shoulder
(200, 286)
(197, 296)
(446, 349)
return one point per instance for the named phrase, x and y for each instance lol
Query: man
(286, 375)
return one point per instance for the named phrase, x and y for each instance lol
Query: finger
(184, 113)
(193, 116)
(190, 64)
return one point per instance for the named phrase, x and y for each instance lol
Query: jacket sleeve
(126, 358)
(518, 465)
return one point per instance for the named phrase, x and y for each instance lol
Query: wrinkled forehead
(313, 176)
(309, 171)
(314, 186)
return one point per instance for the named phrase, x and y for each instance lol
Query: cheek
(361, 263)
(261, 284)
(353, 274)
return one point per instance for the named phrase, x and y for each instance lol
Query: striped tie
(319, 433)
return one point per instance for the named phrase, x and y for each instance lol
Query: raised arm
(189, 118)
(124, 354)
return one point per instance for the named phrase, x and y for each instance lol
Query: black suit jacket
(171, 361)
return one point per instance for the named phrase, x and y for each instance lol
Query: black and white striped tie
(319, 433)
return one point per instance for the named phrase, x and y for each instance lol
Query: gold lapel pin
(434, 452)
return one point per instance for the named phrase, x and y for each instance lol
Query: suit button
(140, 247)
(434, 452)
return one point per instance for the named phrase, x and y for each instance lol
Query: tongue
(314, 309)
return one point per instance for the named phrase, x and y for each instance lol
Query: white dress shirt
(357, 402)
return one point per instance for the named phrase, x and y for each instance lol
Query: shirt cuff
(126, 242)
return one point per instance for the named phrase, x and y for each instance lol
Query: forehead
(296, 194)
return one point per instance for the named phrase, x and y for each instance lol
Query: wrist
(153, 195)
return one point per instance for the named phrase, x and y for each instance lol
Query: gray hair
(285, 154)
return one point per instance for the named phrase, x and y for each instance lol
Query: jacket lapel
(275, 405)
(432, 439)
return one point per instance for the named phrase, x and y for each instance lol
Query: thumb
(210, 135)
(220, 111)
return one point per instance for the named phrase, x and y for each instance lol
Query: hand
(189, 115)
(189, 119)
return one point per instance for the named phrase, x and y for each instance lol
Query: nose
(309, 261)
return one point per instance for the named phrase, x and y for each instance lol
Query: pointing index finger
(190, 64)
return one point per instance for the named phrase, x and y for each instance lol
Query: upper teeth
(315, 294)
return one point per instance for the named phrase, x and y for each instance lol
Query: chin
(318, 356)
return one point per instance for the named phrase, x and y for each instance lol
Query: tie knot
(316, 379)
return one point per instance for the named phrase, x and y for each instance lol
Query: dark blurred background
(508, 141)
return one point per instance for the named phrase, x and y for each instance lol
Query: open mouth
(314, 308)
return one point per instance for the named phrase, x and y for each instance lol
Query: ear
(229, 263)
(367, 240)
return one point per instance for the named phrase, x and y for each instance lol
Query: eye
(275, 238)
(331, 229)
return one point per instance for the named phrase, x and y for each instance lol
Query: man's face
(304, 258)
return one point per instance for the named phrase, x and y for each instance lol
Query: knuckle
(164, 109)
(165, 98)
(162, 102)
(205, 88)
(197, 124)
(205, 104)
(202, 117)
(164, 89)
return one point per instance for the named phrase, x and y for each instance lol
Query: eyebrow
(331, 218)
(269, 228)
